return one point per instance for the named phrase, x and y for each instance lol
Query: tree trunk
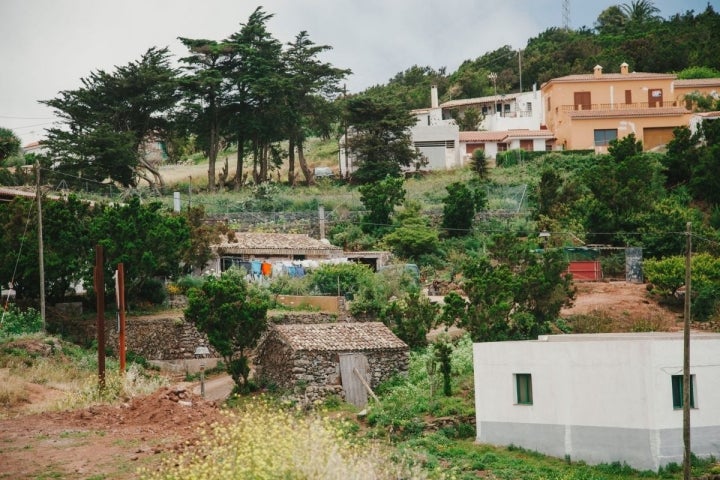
(212, 158)
(256, 154)
(158, 180)
(309, 176)
(264, 162)
(238, 180)
(291, 161)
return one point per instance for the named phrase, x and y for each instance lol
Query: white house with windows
(600, 398)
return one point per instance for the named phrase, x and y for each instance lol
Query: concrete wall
(598, 398)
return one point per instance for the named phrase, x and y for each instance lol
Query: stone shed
(319, 360)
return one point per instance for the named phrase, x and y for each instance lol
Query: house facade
(599, 398)
(266, 254)
(589, 111)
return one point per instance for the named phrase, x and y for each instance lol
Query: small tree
(458, 210)
(9, 144)
(443, 355)
(380, 199)
(514, 294)
(411, 318)
(233, 316)
(479, 163)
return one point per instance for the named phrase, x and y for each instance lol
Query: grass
(68, 369)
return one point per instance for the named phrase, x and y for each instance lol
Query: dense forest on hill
(631, 33)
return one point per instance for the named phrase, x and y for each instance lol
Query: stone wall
(159, 338)
(331, 309)
(303, 318)
(156, 338)
(310, 376)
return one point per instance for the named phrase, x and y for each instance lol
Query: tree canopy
(233, 316)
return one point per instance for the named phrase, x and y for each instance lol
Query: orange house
(588, 111)
(703, 86)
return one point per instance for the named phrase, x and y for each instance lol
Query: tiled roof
(606, 77)
(275, 243)
(708, 114)
(500, 135)
(482, 136)
(338, 337)
(698, 82)
(628, 113)
(530, 134)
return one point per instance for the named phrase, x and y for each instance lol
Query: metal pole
(41, 256)
(121, 307)
(202, 380)
(100, 304)
(686, 358)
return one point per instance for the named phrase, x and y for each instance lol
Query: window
(628, 96)
(548, 104)
(677, 391)
(523, 389)
(603, 137)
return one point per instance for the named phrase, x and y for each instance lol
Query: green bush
(16, 321)
(153, 291)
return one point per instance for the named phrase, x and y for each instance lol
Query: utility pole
(345, 144)
(520, 68)
(41, 258)
(99, 283)
(121, 308)
(686, 356)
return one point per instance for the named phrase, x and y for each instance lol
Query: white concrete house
(599, 398)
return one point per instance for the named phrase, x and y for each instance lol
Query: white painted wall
(599, 398)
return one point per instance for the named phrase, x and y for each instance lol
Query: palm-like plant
(640, 11)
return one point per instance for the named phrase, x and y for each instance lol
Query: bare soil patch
(104, 441)
(628, 305)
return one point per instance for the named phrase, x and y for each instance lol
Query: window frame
(523, 388)
(605, 141)
(677, 391)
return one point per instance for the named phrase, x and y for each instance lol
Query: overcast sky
(48, 45)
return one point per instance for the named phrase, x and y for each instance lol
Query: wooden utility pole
(41, 255)
(100, 304)
(121, 308)
(686, 356)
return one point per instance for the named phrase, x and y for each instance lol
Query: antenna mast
(566, 14)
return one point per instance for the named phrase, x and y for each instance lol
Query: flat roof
(624, 337)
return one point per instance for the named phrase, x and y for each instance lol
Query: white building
(599, 398)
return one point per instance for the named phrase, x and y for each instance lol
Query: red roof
(503, 135)
(482, 136)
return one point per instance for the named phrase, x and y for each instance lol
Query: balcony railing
(619, 106)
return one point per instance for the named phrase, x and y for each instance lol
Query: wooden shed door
(355, 392)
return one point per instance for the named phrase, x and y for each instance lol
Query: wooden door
(353, 365)
(582, 101)
(655, 97)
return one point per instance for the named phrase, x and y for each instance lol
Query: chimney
(624, 68)
(433, 97)
(597, 71)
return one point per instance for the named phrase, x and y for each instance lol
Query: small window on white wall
(677, 391)
(523, 389)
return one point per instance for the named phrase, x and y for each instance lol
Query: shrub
(16, 321)
(266, 441)
(153, 291)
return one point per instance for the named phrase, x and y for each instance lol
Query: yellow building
(588, 111)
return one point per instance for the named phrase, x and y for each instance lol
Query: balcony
(619, 106)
